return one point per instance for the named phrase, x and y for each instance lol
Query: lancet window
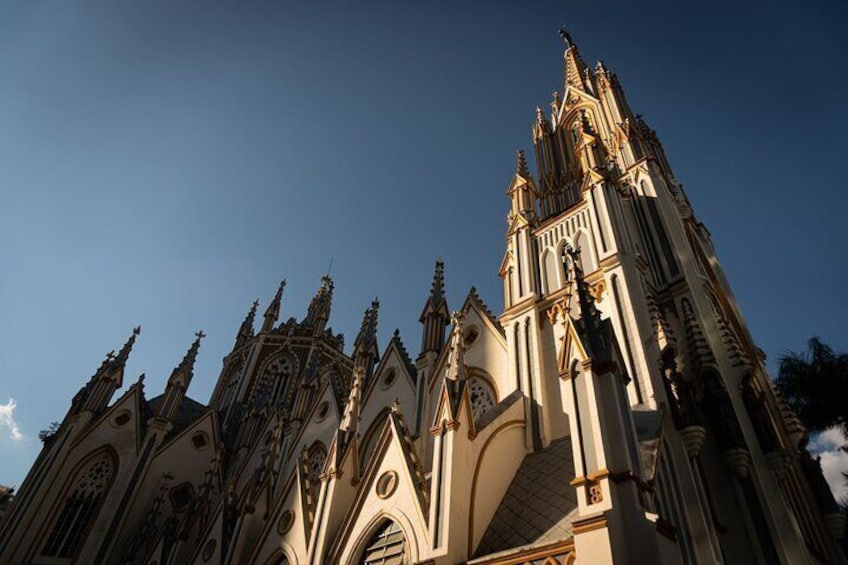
(272, 379)
(80, 508)
(386, 547)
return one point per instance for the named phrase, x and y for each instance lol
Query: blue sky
(165, 163)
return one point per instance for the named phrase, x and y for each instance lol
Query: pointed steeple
(541, 128)
(124, 353)
(522, 190)
(186, 366)
(365, 352)
(272, 314)
(319, 308)
(97, 393)
(246, 329)
(577, 74)
(435, 315)
(179, 382)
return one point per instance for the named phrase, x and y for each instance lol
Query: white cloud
(834, 461)
(8, 425)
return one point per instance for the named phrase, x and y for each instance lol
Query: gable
(388, 490)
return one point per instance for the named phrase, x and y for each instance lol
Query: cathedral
(614, 410)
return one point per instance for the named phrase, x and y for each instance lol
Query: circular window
(471, 335)
(122, 418)
(285, 523)
(200, 440)
(323, 410)
(209, 550)
(389, 378)
(386, 484)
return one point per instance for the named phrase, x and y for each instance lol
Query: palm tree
(815, 384)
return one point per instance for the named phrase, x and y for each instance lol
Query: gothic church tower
(616, 411)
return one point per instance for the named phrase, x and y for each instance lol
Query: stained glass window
(81, 505)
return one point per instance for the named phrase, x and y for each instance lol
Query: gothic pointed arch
(482, 392)
(385, 545)
(370, 438)
(273, 377)
(79, 505)
(316, 456)
(279, 558)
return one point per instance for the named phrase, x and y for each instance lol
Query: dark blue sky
(164, 163)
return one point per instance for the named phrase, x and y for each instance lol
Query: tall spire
(365, 352)
(437, 290)
(435, 314)
(97, 393)
(319, 309)
(272, 314)
(124, 353)
(246, 329)
(186, 366)
(577, 74)
(178, 382)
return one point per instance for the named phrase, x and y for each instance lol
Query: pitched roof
(188, 411)
(538, 506)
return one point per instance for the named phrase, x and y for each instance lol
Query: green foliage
(815, 384)
(46, 435)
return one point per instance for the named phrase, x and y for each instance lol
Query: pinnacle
(187, 364)
(521, 164)
(124, 354)
(540, 116)
(566, 38)
(588, 311)
(437, 290)
(455, 369)
(350, 420)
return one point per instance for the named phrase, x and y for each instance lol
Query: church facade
(615, 411)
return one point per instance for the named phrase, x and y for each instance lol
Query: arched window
(565, 262)
(369, 440)
(587, 259)
(280, 559)
(272, 379)
(317, 456)
(550, 277)
(481, 395)
(81, 505)
(386, 547)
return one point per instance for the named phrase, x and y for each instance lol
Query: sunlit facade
(617, 409)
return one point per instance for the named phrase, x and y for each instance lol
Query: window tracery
(317, 457)
(481, 395)
(80, 508)
(270, 381)
(386, 547)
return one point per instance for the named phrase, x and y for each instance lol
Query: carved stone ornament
(285, 522)
(739, 461)
(693, 439)
(386, 484)
(594, 493)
